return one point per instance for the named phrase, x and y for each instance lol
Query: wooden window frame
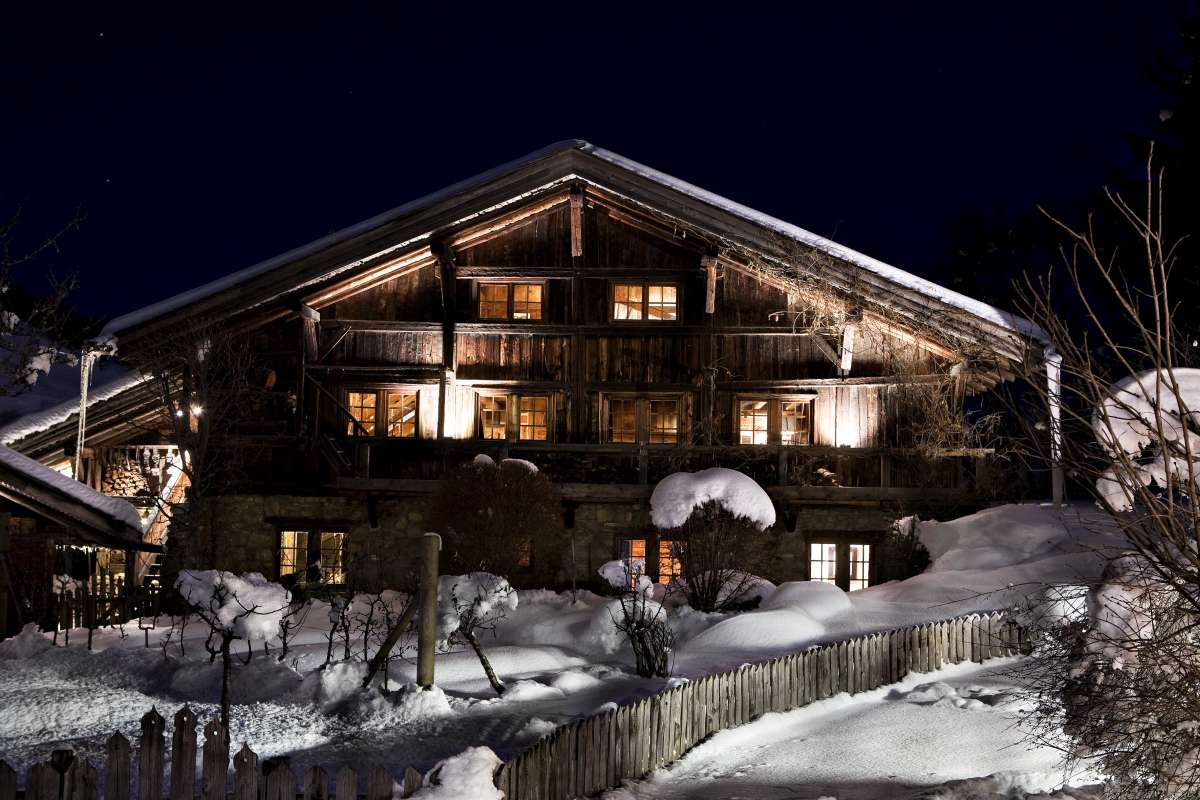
(381, 392)
(520, 397)
(480, 397)
(645, 284)
(511, 301)
(774, 417)
(313, 552)
(512, 412)
(642, 418)
(842, 561)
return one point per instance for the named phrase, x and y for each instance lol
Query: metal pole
(431, 544)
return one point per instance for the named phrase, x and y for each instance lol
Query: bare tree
(468, 604)
(1119, 671)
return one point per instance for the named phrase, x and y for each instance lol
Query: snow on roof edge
(1005, 319)
(147, 313)
(39, 421)
(112, 507)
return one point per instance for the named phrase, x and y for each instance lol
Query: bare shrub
(719, 555)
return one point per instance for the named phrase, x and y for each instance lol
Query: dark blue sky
(199, 142)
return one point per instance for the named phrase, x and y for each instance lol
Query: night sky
(199, 143)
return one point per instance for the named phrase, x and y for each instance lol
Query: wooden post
(116, 773)
(710, 291)
(431, 544)
(183, 755)
(576, 222)
(216, 761)
(245, 774)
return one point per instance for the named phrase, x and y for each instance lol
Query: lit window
(402, 414)
(661, 303)
(493, 416)
(493, 301)
(627, 301)
(633, 553)
(753, 419)
(796, 422)
(860, 566)
(527, 301)
(293, 552)
(362, 413)
(822, 562)
(668, 560)
(333, 557)
(622, 419)
(534, 423)
(664, 421)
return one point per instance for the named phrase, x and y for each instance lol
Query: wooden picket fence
(111, 603)
(577, 760)
(67, 777)
(598, 753)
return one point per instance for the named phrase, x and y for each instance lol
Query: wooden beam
(576, 222)
(493, 228)
(847, 359)
(710, 292)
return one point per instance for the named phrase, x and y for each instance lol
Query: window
(313, 556)
(362, 413)
(668, 561)
(293, 552)
(534, 419)
(654, 302)
(521, 301)
(822, 562)
(664, 421)
(633, 553)
(753, 421)
(622, 419)
(493, 416)
(775, 420)
(860, 566)
(402, 414)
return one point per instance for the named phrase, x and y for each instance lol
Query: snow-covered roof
(55, 485)
(574, 149)
(60, 412)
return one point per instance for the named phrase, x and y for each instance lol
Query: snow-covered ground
(558, 656)
(949, 734)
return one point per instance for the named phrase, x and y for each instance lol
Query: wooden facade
(605, 325)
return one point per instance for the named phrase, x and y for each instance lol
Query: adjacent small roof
(104, 520)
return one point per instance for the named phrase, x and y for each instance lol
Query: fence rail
(579, 759)
(598, 753)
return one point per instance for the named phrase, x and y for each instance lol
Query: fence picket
(412, 782)
(183, 755)
(116, 771)
(316, 784)
(8, 781)
(150, 755)
(245, 774)
(215, 760)
(346, 784)
(279, 782)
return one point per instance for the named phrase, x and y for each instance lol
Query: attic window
(652, 302)
(516, 301)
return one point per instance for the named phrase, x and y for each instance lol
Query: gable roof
(549, 170)
(50, 494)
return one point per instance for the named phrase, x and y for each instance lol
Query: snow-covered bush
(635, 620)
(502, 518)
(470, 603)
(717, 521)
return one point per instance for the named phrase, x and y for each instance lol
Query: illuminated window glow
(822, 562)
(362, 412)
(293, 552)
(493, 416)
(527, 301)
(669, 566)
(795, 421)
(662, 303)
(654, 302)
(333, 557)
(402, 414)
(518, 301)
(622, 420)
(860, 566)
(534, 419)
(664, 421)
(753, 421)
(493, 301)
(627, 301)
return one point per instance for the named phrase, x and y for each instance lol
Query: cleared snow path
(913, 740)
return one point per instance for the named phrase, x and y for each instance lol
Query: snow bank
(821, 601)
(470, 774)
(26, 644)
(108, 506)
(248, 605)
(677, 496)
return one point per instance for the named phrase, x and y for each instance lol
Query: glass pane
(493, 301)
(493, 416)
(633, 553)
(627, 301)
(402, 414)
(664, 421)
(293, 556)
(622, 419)
(527, 301)
(795, 425)
(662, 304)
(333, 556)
(362, 412)
(822, 562)
(752, 421)
(860, 566)
(668, 563)
(533, 423)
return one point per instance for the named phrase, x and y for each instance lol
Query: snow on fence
(67, 777)
(585, 757)
(598, 753)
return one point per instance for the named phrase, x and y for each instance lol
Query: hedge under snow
(249, 605)
(677, 496)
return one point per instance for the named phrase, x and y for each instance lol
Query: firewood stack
(124, 482)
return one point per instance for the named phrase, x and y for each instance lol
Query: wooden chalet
(604, 321)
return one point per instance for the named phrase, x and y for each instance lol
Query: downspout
(1054, 400)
